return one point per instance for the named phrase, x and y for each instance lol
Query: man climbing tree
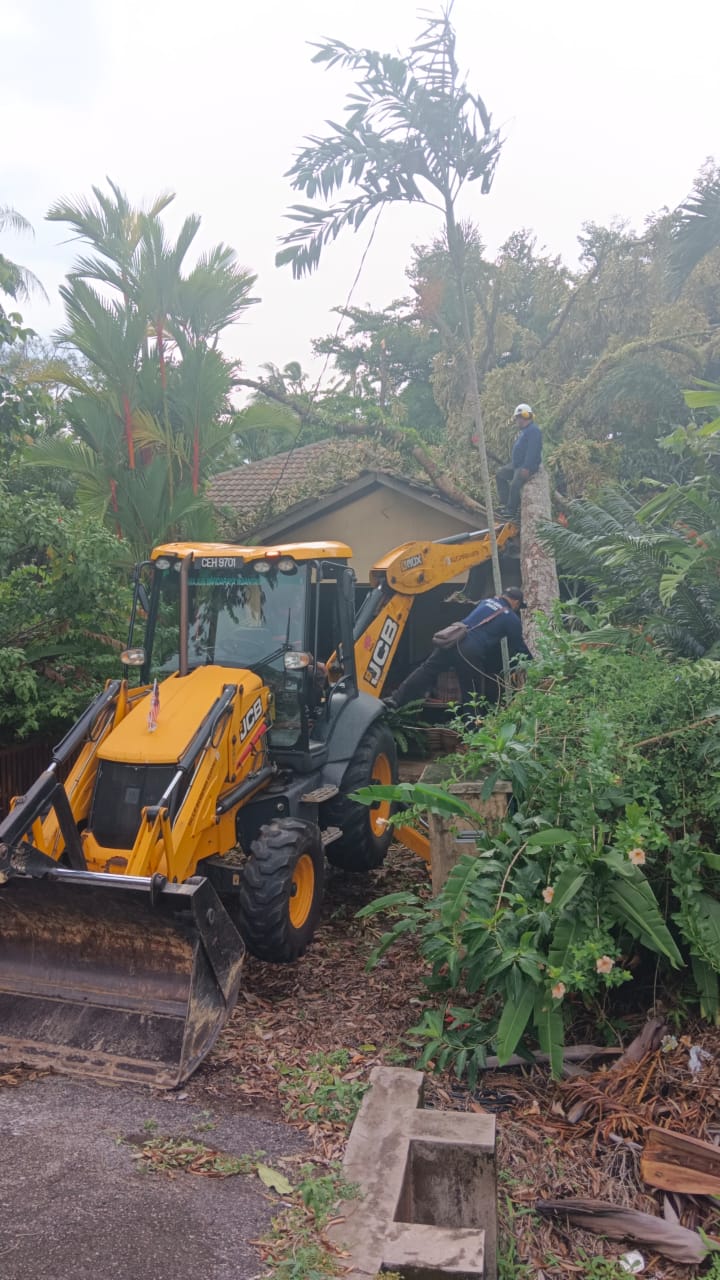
(524, 462)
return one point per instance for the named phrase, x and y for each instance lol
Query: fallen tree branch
(391, 435)
(672, 733)
(572, 1053)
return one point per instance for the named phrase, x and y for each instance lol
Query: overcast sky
(608, 110)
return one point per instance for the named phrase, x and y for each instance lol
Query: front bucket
(100, 978)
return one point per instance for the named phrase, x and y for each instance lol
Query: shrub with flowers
(608, 859)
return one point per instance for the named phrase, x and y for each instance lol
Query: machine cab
(276, 611)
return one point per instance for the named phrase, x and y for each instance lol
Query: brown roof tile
(256, 482)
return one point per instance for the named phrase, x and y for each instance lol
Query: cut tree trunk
(539, 575)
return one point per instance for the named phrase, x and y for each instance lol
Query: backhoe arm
(396, 580)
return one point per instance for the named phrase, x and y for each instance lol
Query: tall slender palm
(148, 331)
(415, 134)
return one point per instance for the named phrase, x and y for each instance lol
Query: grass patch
(296, 1247)
(323, 1090)
(173, 1155)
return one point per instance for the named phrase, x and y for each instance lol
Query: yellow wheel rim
(302, 891)
(380, 812)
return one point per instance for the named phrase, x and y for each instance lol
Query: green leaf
(711, 860)
(702, 399)
(453, 899)
(550, 836)
(567, 885)
(706, 981)
(422, 795)
(635, 904)
(708, 909)
(403, 898)
(514, 1019)
(274, 1180)
(551, 1030)
(562, 942)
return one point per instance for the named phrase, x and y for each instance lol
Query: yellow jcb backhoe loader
(207, 787)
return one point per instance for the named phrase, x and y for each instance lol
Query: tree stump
(447, 845)
(539, 574)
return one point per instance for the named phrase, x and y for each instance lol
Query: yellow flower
(604, 964)
(637, 857)
(558, 991)
(548, 894)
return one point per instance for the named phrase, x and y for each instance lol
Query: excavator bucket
(114, 977)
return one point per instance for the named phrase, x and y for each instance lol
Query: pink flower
(604, 964)
(548, 894)
(558, 991)
(637, 857)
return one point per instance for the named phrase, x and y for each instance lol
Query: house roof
(272, 494)
(256, 482)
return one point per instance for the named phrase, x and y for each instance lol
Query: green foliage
(608, 857)
(412, 133)
(656, 565)
(296, 1247)
(407, 727)
(149, 406)
(63, 613)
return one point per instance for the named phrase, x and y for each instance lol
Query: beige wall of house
(374, 523)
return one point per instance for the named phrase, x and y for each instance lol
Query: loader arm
(396, 581)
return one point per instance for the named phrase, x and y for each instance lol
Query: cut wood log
(667, 1238)
(674, 1162)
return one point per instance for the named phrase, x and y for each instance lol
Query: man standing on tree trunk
(476, 656)
(525, 461)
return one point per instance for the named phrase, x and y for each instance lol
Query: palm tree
(16, 281)
(415, 134)
(653, 567)
(696, 230)
(150, 412)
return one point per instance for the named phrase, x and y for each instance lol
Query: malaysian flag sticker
(154, 712)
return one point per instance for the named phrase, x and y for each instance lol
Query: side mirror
(133, 657)
(143, 597)
(297, 661)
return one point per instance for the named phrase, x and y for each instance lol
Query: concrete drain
(428, 1207)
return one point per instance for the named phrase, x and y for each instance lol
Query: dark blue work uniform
(526, 456)
(477, 658)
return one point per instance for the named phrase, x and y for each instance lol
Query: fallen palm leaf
(667, 1238)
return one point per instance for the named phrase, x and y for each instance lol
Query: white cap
(523, 411)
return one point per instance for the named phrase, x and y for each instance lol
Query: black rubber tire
(261, 909)
(360, 848)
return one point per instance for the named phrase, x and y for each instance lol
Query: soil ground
(74, 1201)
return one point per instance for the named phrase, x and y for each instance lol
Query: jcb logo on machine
(251, 718)
(381, 652)
(412, 562)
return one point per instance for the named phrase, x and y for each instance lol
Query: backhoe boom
(397, 579)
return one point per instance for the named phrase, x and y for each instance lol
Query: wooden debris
(674, 1162)
(667, 1238)
(648, 1041)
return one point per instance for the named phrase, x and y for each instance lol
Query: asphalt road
(74, 1203)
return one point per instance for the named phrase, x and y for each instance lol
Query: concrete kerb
(428, 1200)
